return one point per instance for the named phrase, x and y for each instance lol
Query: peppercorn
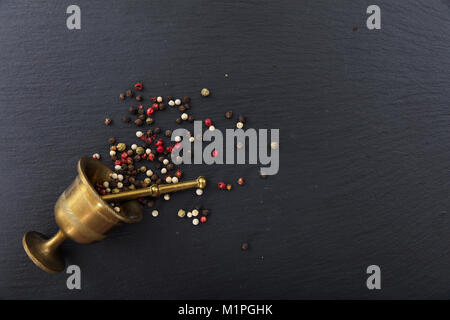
(121, 147)
(159, 181)
(96, 156)
(138, 86)
(244, 246)
(208, 122)
(112, 140)
(141, 111)
(187, 106)
(168, 133)
(229, 187)
(133, 110)
(178, 174)
(170, 166)
(149, 120)
(129, 153)
(154, 177)
(129, 93)
(108, 121)
(205, 212)
(221, 185)
(242, 119)
(229, 114)
(205, 92)
(191, 118)
(241, 181)
(150, 203)
(203, 219)
(162, 106)
(139, 98)
(137, 158)
(184, 116)
(195, 221)
(157, 130)
(239, 125)
(122, 96)
(142, 117)
(138, 122)
(126, 119)
(274, 145)
(178, 120)
(186, 99)
(181, 213)
(199, 191)
(182, 108)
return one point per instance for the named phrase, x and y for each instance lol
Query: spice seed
(229, 114)
(108, 121)
(155, 213)
(244, 246)
(205, 92)
(241, 181)
(195, 221)
(181, 213)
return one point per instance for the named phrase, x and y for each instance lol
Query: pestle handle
(155, 190)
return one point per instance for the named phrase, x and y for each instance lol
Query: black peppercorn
(139, 98)
(129, 153)
(187, 106)
(244, 246)
(168, 133)
(229, 114)
(133, 110)
(162, 106)
(170, 166)
(151, 203)
(129, 93)
(191, 118)
(157, 130)
(186, 99)
(122, 96)
(138, 122)
(126, 119)
(159, 181)
(112, 140)
(178, 120)
(161, 159)
(242, 119)
(149, 132)
(137, 158)
(205, 212)
(142, 117)
(154, 177)
(141, 111)
(182, 108)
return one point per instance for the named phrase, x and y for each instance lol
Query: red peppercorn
(169, 149)
(221, 185)
(117, 162)
(124, 155)
(155, 106)
(153, 99)
(151, 157)
(203, 219)
(178, 174)
(160, 142)
(177, 146)
(160, 149)
(150, 111)
(149, 140)
(144, 156)
(140, 106)
(215, 153)
(138, 86)
(208, 122)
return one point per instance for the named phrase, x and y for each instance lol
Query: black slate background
(364, 152)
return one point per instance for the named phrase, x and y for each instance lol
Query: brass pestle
(85, 216)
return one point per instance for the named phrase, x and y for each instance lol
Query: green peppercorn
(143, 169)
(140, 150)
(121, 147)
(149, 120)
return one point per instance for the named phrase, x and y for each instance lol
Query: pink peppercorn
(138, 86)
(221, 185)
(208, 122)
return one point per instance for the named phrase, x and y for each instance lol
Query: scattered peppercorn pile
(148, 161)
